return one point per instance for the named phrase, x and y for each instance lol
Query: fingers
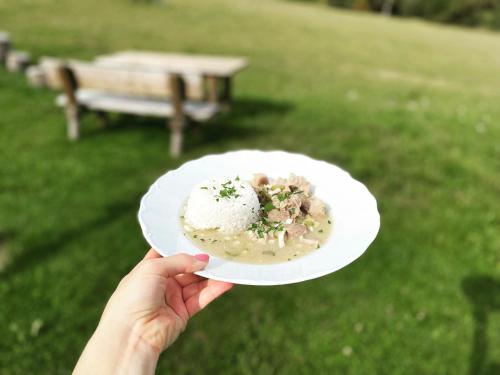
(194, 288)
(151, 254)
(174, 265)
(202, 293)
(188, 278)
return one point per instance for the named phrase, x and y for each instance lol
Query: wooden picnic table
(216, 71)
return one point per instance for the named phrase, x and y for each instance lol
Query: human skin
(147, 312)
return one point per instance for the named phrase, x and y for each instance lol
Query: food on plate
(263, 220)
(223, 204)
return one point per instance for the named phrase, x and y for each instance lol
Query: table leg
(226, 93)
(212, 89)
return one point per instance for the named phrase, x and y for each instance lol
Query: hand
(147, 312)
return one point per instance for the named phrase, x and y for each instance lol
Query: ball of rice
(209, 205)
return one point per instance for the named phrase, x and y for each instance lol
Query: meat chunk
(293, 205)
(293, 183)
(306, 204)
(259, 179)
(316, 208)
(278, 215)
(295, 230)
(300, 182)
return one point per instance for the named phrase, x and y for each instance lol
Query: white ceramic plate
(353, 209)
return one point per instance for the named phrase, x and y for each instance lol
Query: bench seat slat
(96, 100)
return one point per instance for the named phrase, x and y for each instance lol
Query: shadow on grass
(4, 256)
(223, 127)
(43, 251)
(483, 292)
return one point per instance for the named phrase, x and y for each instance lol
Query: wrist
(116, 349)
(137, 357)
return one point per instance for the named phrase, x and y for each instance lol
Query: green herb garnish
(264, 225)
(268, 206)
(228, 190)
(283, 195)
(204, 188)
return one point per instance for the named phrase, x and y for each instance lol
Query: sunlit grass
(409, 108)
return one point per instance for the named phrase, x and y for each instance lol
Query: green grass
(409, 108)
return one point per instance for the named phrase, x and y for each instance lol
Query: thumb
(175, 264)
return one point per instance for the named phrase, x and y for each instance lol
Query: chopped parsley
(268, 206)
(329, 222)
(228, 190)
(204, 188)
(264, 226)
(283, 195)
(195, 236)
(320, 231)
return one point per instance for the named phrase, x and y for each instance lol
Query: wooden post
(71, 107)
(4, 46)
(73, 122)
(226, 93)
(177, 122)
(212, 96)
(387, 7)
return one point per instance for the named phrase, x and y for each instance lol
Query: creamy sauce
(241, 247)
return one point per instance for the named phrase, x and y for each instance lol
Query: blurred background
(409, 104)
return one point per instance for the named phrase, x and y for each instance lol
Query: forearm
(116, 351)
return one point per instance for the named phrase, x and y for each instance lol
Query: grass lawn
(411, 109)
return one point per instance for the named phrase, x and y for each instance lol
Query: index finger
(174, 264)
(151, 254)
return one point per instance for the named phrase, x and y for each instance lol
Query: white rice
(207, 209)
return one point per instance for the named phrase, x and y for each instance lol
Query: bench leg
(176, 126)
(226, 94)
(212, 95)
(73, 122)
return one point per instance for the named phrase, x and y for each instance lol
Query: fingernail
(202, 257)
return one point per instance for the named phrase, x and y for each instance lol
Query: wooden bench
(98, 88)
(5, 46)
(17, 61)
(212, 74)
